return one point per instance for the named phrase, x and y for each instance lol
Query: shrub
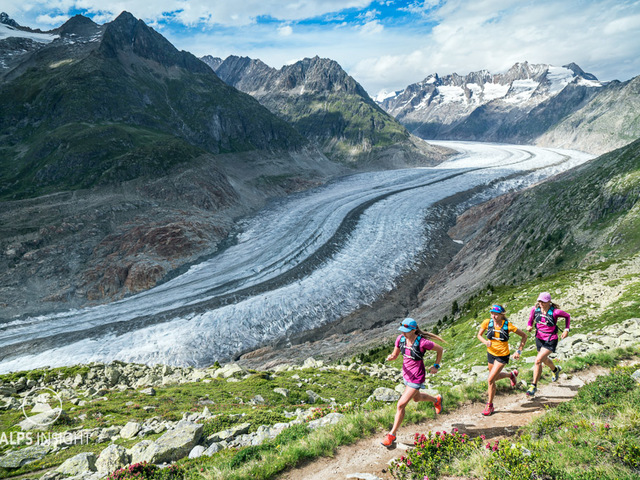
(512, 461)
(431, 453)
(146, 471)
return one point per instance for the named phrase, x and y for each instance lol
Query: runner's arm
(394, 354)
(567, 321)
(438, 349)
(482, 340)
(530, 322)
(523, 335)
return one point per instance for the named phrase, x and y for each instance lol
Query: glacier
(302, 262)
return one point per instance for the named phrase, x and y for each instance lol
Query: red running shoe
(438, 404)
(388, 440)
(488, 410)
(514, 376)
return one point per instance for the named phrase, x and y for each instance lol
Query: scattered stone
(229, 434)
(112, 458)
(329, 419)
(174, 444)
(282, 391)
(81, 463)
(197, 451)
(383, 394)
(313, 396)
(363, 476)
(23, 456)
(130, 430)
(148, 391)
(636, 375)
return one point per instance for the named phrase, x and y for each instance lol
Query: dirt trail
(368, 459)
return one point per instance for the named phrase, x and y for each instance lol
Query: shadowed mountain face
(324, 104)
(115, 102)
(122, 160)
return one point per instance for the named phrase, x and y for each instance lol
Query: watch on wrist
(518, 351)
(436, 365)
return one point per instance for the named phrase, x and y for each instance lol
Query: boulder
(174, 444)
(137, 452)
(636, 375)
(383, 394)
(313, 396)
(213, 448)
(226, 435)
(197, 451)
(329, 419)
(81, 463)
(282, 391)
(228, 370)
(43, 420)
(23, 456)
(112, 458)
(130, 430)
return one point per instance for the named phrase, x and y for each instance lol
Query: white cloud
(285, 30)
(442, 36)
(372, 28)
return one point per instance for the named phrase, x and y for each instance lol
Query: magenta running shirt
(545, 332)
(413, 371)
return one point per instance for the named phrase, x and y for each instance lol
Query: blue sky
(382, 44)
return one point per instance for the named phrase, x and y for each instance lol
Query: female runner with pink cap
(545, 315)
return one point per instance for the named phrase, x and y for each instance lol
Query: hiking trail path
(367, 459)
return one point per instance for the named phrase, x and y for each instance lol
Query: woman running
(545, 315)
(413, 343)
(498, 328)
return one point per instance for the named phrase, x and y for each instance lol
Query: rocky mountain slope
(328, 107)
(123, 159)
(535, 104)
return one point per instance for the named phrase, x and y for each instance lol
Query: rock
(226, 435)
(313, 396)
(329, 419)
(228, 370)
(383, 394)
(312, 363)
(174, 444)
(282, 391)
(257, 400)
(112, 458)
(197, 451)
(138, 450)
(477, 369)
(81, 463)
(42, 421)
(130, 430)
(112, 375)
(148, 391)
(18, 458)
(636, 375)
(363, 476)
(6, 390)
(213, 448)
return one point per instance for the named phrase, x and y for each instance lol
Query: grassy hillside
(583, 217)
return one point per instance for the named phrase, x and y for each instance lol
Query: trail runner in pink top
(412, 344)
(545, 316)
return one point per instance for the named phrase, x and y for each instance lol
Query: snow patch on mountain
(7, 31)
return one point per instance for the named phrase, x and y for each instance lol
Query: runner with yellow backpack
(498, 329)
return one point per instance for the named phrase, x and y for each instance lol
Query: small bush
(146, 471)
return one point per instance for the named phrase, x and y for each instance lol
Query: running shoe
(556, 374)
(388, 440)
(488, 410)
(531, 391)
(438, 404)
(513, 376)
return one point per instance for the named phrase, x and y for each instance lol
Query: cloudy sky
(384, 44)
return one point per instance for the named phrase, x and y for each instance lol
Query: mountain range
(327, 106)
(124, 159)
(530, 103)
